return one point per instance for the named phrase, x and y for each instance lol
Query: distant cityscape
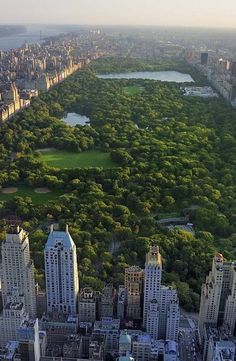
(35, 68)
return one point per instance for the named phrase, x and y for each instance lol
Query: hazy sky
(213, 13)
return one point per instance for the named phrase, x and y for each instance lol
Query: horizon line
(124, 25)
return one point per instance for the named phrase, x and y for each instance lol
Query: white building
(172, 321)
(152, 281)
(61, 272)
(17, 269)
(211, 294)
(161, 307)
(218, 305)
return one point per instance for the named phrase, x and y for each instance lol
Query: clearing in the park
(38, 195)
(133, 89)
(62, 159)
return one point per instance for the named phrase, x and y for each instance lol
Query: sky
(202, 13)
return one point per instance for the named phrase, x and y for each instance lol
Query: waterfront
(169, 76)
(33, 34)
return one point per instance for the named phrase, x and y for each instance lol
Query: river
(34, 34)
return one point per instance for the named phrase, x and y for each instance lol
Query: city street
(188, 340)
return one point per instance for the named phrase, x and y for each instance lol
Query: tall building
(152, 281)
(204, 58)
(87, 305)
(17, 270)
(134, 289)
(218, 305)
(161, 313)
(61, 272)
(230, 304)
(211, 294)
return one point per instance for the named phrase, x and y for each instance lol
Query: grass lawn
(133, 90)
(60, 159)
(37, 198)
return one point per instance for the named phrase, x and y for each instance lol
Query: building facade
(134, 289)
(17, 270)
(61, 273)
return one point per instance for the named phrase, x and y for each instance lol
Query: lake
(74, 119)
(169, 76)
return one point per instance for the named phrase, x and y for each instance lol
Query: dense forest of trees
(172, 153)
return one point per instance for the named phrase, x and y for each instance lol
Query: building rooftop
(153, 257)
(171, 347)
(59, 238)
(144, 339)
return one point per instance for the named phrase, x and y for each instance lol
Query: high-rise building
(211, 294)
(152, 281)
(204, 58)
(134, 289)
(161, 313)
(61, 272)
(17, 270)
(218, 305)
(230, 304)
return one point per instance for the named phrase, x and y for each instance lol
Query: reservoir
(74, 119)
(169, 76)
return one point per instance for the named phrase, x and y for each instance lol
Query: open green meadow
(61, 159)
(37, 198)
(133, 89)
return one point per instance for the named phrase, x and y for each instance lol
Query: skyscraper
(61, 272)
(204, 58)
(161, 306)
(218, 305)
(17, 273)
(152, 282)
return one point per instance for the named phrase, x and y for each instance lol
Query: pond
(73, 119)
(169, 76)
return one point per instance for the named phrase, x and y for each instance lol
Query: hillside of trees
(173, 153)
